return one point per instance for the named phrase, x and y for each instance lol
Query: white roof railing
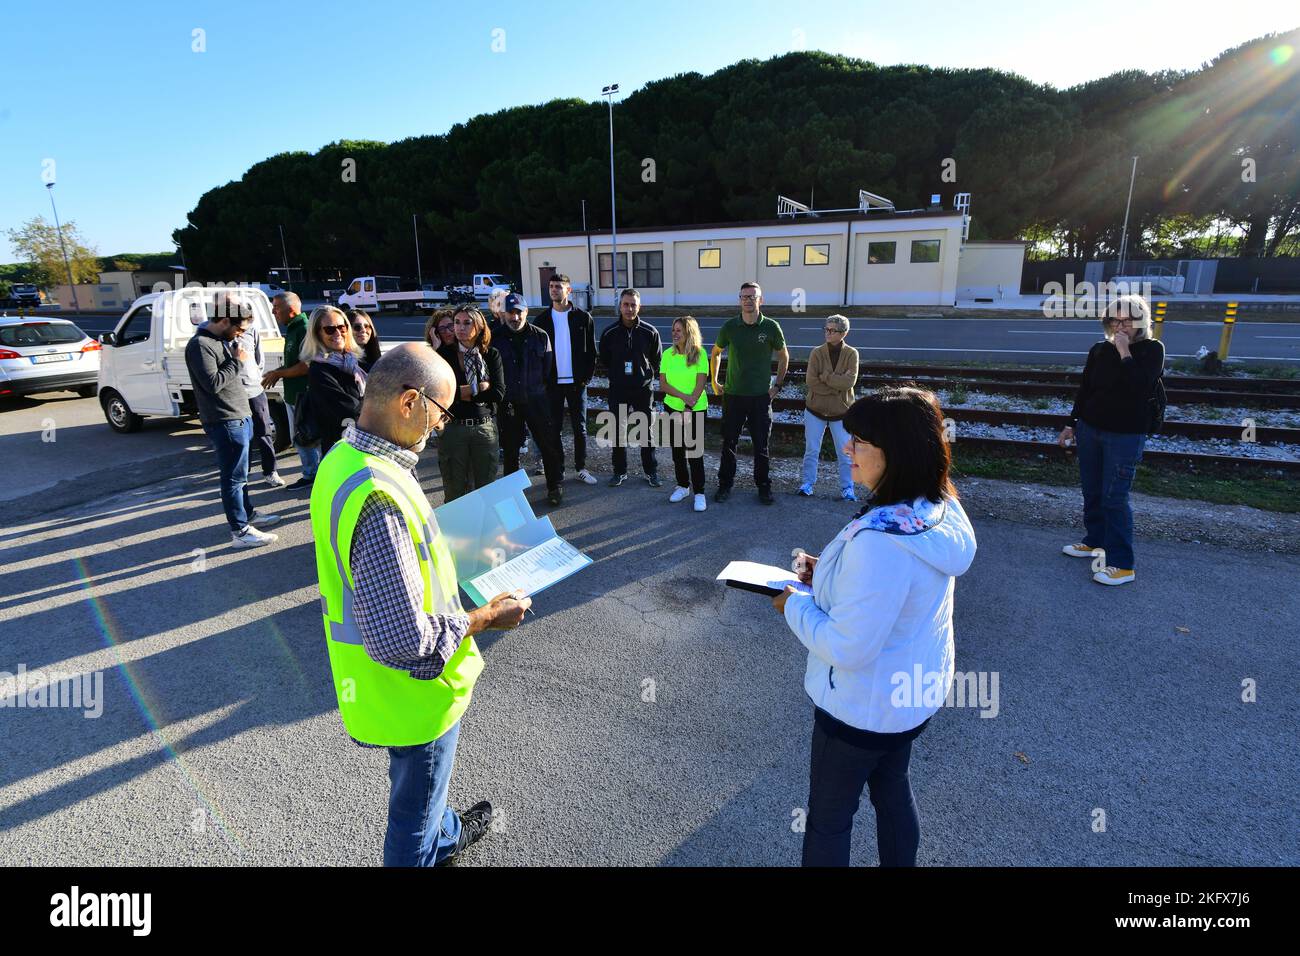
(792, 208)
(867, 201)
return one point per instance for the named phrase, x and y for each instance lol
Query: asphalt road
(219, 742)
(49, 442)
(1011, 340)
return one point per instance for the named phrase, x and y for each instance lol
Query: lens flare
(1280, 54)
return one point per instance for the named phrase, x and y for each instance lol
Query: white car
(46, 355)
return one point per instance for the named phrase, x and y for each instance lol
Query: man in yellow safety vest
(401, 647)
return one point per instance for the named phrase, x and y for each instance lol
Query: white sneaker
(252, 538)
(1080, 551)
(274, 480)
(264, 521)
(1114, 576)
(586, 477)
(678, 494)
(701, 503)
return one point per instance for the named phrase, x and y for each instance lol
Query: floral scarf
(349, 364)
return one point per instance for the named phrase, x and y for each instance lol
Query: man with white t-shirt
(573, 337)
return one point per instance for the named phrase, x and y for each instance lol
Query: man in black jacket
(629, 350)
(529, 363)
(573, 340)
(214, 358)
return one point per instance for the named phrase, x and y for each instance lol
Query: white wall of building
(743, 255)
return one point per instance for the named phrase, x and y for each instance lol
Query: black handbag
(306, 432)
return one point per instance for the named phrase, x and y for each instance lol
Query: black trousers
(687, 438)
(263, 432)
(623, 405)
(738, 413)
(575, 396)
(838, 772)
(535, 415)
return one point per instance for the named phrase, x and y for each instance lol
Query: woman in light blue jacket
(876, 617)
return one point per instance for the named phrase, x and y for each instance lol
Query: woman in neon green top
(683, 373)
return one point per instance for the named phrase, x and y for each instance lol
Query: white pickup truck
(142, 371)
(380, 292)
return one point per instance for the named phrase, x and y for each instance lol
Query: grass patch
(1223, 485)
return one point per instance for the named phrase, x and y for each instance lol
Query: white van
(142, 370)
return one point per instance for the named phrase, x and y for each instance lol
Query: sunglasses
(832, 329)
(333, 329)
(446, 415)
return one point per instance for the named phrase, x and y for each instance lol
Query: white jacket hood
(939, 534)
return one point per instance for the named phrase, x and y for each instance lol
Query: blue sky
(139, 125)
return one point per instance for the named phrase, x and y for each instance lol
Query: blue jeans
(814, 429)
(231, 440)
(422, 829)
(309, 456)
(1107, 463)
(838, 772)
(575, 396)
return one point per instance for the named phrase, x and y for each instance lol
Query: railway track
(793, 431)
(994, 416)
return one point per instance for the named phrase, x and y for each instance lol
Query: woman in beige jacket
(832, 373)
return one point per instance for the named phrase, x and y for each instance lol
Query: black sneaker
(617, 480)
(474, 825)
(302, 483)
(555, 496)
(722, 494)
(653, 480)
(765, 495)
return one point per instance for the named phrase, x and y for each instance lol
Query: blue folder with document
(499, 545)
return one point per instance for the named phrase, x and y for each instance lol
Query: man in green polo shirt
(749, 342)
(288, 312)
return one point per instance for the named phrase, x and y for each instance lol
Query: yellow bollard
(1225, 340)
(1159, 321)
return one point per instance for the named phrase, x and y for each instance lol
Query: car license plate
(59, 357)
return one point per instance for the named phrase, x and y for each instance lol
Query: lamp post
(609, 92)
(1123, 236)
(288, 276)
(76, 306)
(419, 273)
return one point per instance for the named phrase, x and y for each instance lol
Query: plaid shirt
(389, 588)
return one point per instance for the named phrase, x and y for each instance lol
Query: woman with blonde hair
(337, 382)
(832, 373)
(683, 373)
(1114, 411)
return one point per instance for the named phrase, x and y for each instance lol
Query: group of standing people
(877, 602)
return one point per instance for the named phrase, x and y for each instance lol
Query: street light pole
(609, 92)
(288, 278)
(76, 306)
(419, 274)
(1123, 238)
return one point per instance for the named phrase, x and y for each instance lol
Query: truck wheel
(280, 419)
(120, 417)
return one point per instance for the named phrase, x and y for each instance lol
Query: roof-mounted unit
(791, 208)
(869, 201)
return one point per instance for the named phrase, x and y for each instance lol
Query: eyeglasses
(333, 329)
(745, 298)
(830, 328)
(446, 415)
